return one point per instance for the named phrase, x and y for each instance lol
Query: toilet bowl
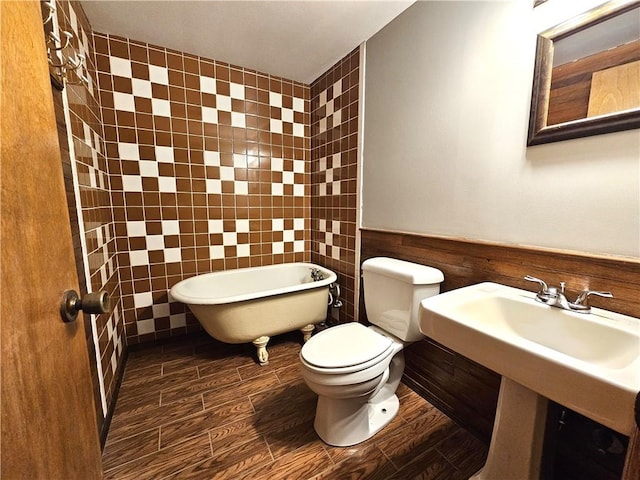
(355, 370)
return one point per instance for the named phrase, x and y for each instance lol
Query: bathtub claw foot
(307, 330)
(261, 350)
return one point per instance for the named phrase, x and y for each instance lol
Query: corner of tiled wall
(90, 202)
(334, 176)
(209, 166)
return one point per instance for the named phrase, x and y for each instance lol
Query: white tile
(337, 118)
(322, 164)
(172, 255)
(215, 226)
(207, 84)
(298, 190)
(322, 189)
(298, 130)
(178, 320)
(237, 91)
(226, 173)
(329, 108)
(230, 238)
(298, 104)
(277, 224)
(335, 188)
(128, 151)
(277, 247)
(141, 88)
(287, 178)
(138, 257)
(161, 108)
(337, 88)
(223, 103)
(239, 160)
(287, 115)
(336, 160)
(148, 168)
(131, 183)
(335, 226)
(167, 184)
(298, 223)
(145, 326)
(242, 225)
(323, 125)
(161, 310)
(164, 154)
(213, 185)
(335, 253)
(277, 189)
(275, 99)
(241, 187)
(328, 238)
(212, 158)
(216, 251)
(298, 166)
(288, 236)
(155, 242)
(136, 228)
(322, 249)
(209, 115)
(158, 75)
(170, 227)
(124, 102)
(238, 120)
(277, 164)
(298, 246)
(120, 67)
(243, 250)
(275, 125)
(323, 97)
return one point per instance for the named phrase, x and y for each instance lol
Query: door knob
(94, 303)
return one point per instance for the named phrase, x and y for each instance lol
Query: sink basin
(587, 362)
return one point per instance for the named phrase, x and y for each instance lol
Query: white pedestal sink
(587, 362)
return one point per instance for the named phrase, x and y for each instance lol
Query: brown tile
(240, 389)
(464, 451)
(369, 463)
(302, 462)
(130, 448)
(201, 385)
(429, 465)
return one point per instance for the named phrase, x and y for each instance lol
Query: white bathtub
(253, 304)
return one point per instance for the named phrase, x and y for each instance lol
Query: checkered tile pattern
(334, 160)
(92, 185)
(212, 163)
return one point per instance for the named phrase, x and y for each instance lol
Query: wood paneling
(465, 391)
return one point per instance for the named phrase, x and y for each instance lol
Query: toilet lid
(344, 346)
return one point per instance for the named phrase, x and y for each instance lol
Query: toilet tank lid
(409, 272)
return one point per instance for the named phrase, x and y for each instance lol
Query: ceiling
(297, 40)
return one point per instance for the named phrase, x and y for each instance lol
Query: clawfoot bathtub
(253, 304)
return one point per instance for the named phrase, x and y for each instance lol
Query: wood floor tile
(464, 451)
(130, 448)
(199, 386)
(164, 462)
(197, 408)
(229, 464)
(303, 462)
(240, 389)
(368, 463)
(185, 427)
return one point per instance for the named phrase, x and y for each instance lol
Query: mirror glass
(587, 75)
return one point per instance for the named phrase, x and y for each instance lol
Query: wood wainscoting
(464, 390)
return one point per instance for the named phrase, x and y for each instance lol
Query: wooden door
(48, 421)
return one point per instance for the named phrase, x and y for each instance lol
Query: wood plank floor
(197, 408)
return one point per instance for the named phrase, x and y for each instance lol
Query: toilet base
(342, 423)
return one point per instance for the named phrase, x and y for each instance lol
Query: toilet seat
(346, 348)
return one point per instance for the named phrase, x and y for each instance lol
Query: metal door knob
(94, 303)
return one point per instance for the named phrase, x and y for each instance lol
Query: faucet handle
(543, 286)
(582, 302)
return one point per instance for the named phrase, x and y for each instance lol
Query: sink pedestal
(518, 434)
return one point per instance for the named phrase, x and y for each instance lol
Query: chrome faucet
(555, 297)
(316, 274)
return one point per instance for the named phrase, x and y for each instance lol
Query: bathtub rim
(177, 295)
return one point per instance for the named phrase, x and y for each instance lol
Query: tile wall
(88, 187)
(334, 177)
(210, 171)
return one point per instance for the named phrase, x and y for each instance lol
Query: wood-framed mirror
(587, 75)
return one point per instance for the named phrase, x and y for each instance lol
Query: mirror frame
(539, 131)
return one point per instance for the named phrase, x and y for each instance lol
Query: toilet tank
(393, 290)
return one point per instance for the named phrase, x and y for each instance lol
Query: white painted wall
(447, 95)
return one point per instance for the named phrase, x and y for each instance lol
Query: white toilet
(355, 370)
